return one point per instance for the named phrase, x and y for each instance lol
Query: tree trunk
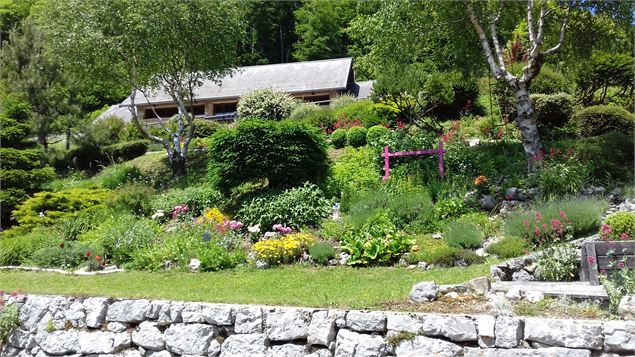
(68, 139)
(178, 166)
(528, 128)
(41, 138)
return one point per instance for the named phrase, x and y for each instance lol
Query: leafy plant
(297, 207)
(451, 207)
(46, 208)
(356, 136)
(559, 262)
(133, 198)
(197, 198)
(322, 252)
(618, 283)
(508, 247)
(583, 213)
(552, 110)
(17, 250)
(355, 171)
(118, 175)
(561, 178)
(284, 250)
(66, 255)
(338, 138)
(619, 226)
(267, 104)
(461, 234)
(9, 318)
(282, 153)
(376, 134)
(602, 119)
(377, 242)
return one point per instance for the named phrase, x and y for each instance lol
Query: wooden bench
(606, 255)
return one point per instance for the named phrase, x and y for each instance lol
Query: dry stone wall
(96, 326)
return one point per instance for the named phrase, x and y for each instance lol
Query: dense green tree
(149, 45)
(602, 71)
(11, 13)
(270, 32)
(21, 172)
(321, 29)
(28, 71)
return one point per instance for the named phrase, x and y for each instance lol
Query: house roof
(297, 77)
(363, 89)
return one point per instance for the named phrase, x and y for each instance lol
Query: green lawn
(340, 287)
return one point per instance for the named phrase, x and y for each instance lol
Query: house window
(167, 112)
(221, 108)
(318, 99)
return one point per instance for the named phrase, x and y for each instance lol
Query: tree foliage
(602, 71)
(165, 45)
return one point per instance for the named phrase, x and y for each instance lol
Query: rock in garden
(60, 342)
(194, 265)
(534, 296)
(21, 339)
(287, 350)
(355, 344)
(486, 327)
(191, 339)
(367, 321)
(619, 336)
(487, 202)
(248, 320)
(514, 294)
(322, 328)
(480, 286)
(626, 308)
(149, 336)
(287, 324)
(509, 331)
(425, 346)
(344, 257)
(564, 333)
(522, 275)
(32, 311)
(456, 328)
(448, 288)
(98, 342)
(526, 352)
(95, 308)
(402, 322)
(253, 345)
(449, 296)
(128, 310)
(424, 292)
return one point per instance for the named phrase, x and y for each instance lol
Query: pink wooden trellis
(387, 155)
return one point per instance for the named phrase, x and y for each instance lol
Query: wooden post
(441, 151)
(593, 271)
(386, 163)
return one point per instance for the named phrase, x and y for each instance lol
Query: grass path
(341, 287)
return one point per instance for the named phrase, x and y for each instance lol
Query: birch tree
(149, 45)
(536, 55)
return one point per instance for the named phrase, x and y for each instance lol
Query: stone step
(576, 289)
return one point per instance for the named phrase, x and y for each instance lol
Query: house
(311, 81)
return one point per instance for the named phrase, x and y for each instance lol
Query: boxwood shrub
(602, 119)
(283, 153)
(356, 136)
(338, 138)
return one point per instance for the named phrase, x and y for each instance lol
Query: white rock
(32, 312)
(60, 342)
(218, 314)
(171, 313)
(76, 314)
(626, 308)
(437, 235)
(214, 348)
(285, 324)
(450, 296)
(321, 353)
(116, 327)
(509, 331)
(525, 352)
(322, 328)
(287, 350)
(128, 310)
(480, 286)
(193, 339)
(194, 265)
(514, 294)
(253, 345)
(163, 353)
(425, 346)
(353, 344)
(192, 312)
(481, 252)
(564, 333)
(154, 310)
(485, 326)
(248, 320)
(148, 336)
(534, 296)
(456, 328)
(424, 292)
(401, 322)
(370, 321)
(619, 336)
(21, 339)
(96, 342)
(95, 308)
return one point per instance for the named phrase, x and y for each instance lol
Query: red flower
(590, 259)
(14, 294)
(624, 236)
(538, 216)
(500, 133)
(98, 258)
(621, 265)
(88, 254)
(537, 231)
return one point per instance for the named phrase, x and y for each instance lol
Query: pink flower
(624, 236)
(590, 259)
(525, 223)
(603, 271)
(621, 265)
(537, 231)
(538, 216)
(563, 215)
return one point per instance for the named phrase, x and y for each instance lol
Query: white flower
(254, 229)
(158, 214)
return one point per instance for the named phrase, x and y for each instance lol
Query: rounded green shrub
(338, 138)
(622, 226)
(363, 110)
(550, 81)
(304, 111)
(508, 247)
(197, 198)
(461, 234)
(356, 136)
(375, 134)
(322, 252)
(204, 128)
(267, 104)
(601, 119)
(285, 154)
(342, 100)
(552, 110)
(355, 171)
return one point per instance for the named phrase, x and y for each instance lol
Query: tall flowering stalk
(540, 233)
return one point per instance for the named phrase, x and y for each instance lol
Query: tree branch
(498, 72)
(557, 47)
(497, 48)
(530, 21)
